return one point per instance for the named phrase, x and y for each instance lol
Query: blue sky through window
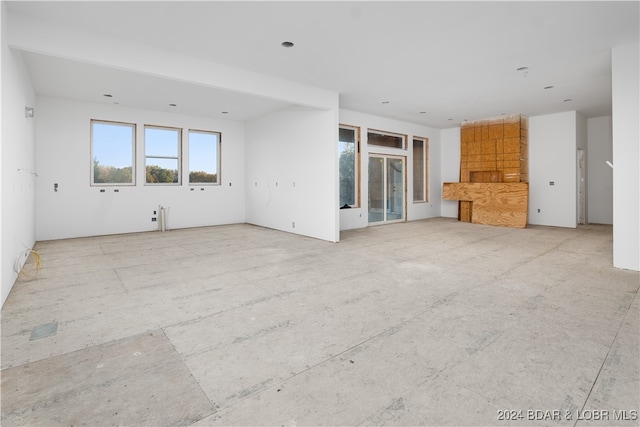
(113, 144)
(203, 150)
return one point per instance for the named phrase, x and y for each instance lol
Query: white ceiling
(435, 63)
(88, 82)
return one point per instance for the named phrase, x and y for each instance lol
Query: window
(349, 165)
(112, 153)
(386, 139)
(420, 169)
(204, 157)
(162, 155)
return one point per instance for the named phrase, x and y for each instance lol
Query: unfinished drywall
(600, 176)
(78, 209)
(552, 169)
(19, 174)
(357, 217)
(291, 172)
(626, 158)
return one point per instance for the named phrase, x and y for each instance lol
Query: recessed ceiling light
(423, 112)
(286, 44)
(567, 100)
(549, 87)
(172, 105)
(385, 102)
(522, 68)
(450, 119)
(107, 95)
(225, 112)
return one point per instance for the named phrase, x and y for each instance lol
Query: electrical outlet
(538, 210)
(153, 219)
(154, 212)
(293, 224)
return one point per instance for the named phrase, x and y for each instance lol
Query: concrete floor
(432, 322)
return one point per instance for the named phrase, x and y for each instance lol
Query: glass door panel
(376, 189)
(386, 189)
(395, 189)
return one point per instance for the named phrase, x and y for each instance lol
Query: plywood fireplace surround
(494, 172)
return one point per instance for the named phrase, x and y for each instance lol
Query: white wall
(450, 166)
(357, 217)
(17, 152)
(78, 209)
(552, 158)
(625, 78)
(600, 177)
(292, 172)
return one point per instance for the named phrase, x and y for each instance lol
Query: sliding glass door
(386, 189)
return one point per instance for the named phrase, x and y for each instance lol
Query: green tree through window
(162, 153)
(112, 153)
(348, 166)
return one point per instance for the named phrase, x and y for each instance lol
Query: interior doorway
(582, 191)
(387, 195)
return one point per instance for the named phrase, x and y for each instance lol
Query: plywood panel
(485, 132)
(501, 204)
(512, 130)
(511, 177)
(512, 145)
(496, 131)
(514, 118)
(486, 176)
(511, 164)
(465, 211)
(478, 133)
(466, 134)
(488, 148)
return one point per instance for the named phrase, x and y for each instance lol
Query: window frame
(133, 127)
(357, 163)
(178, 158)
(386, 133)
(218, 157)
(425, 167)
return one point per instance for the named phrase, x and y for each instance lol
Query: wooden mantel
(501, 203)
